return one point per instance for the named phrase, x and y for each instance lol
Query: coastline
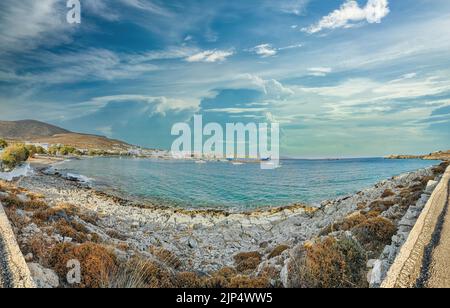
(207, 241)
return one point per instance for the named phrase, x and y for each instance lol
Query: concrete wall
(14, 271)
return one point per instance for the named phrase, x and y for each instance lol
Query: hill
(28, 129)
(441, 155)
(39, 132)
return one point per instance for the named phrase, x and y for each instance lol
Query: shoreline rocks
(207, 240)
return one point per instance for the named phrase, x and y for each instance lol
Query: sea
(222, 185)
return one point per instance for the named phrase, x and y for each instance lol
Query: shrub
(97, 263)
(345, 224)
(63, 150)
(387, 193)
(140, 273)
(189, 280)
(329, 263)
(14, 155)
(375, 233)
(247, 261)
(165, 256)
(278, 251)
(3, 144)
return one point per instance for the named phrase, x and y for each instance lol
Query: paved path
(424, 260)
(439, 264)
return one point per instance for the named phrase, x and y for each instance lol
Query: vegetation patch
(14, 155)
(329, 263)
(247, 261)
(97, 262)
(375, 233)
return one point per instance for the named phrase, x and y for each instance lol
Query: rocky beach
(262, 244)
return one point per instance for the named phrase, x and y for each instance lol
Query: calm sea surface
(223, 185)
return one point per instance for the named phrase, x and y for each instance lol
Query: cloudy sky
(343, 78)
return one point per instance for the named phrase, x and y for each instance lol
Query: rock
(3, 195)
(43, 277)
(31, 230)
(135, 225)
(23, 198)
(29, 257)
(431, 186)
(376, 274)
(407, 222)
(371, 263)
(192, 243)
(284, 275)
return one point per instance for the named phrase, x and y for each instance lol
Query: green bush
(14, 155)
(3, 144)
(63, 150)
(33, 149)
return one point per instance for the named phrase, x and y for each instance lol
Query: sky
(343, 78)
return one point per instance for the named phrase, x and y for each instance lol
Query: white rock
(431, 186)
(43, 277)
(375, 278)
(23, 198)
(4, 194)
(371, 263)
(29, 257)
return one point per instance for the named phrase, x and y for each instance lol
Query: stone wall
(405, 269)
(14, 272)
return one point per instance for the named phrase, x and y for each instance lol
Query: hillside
(39, 132)
(441, 155)
(28, 129)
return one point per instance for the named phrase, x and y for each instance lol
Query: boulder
(23, 198)
(431, 186)
(43, 277)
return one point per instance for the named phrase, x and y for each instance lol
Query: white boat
(237, 163)
(200, 162)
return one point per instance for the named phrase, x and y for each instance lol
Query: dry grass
(329, 263)
(387, 193)
(247, 261)
(97, 262)
(166, 257)
(375, 233)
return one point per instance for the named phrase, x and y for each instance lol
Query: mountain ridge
(41, 132)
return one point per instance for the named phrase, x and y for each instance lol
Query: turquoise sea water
(223, 185)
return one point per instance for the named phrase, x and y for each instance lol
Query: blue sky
(343, 78)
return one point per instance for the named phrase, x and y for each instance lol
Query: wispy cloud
(320, 71)
(268, 50)
(273, 89)
(210, 56)
(350, 13)
(265, 50)
(28, 24)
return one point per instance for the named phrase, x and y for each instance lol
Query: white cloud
(319, 71)
(28, 24)
(86, 65)
(349, 13)
(155, 105)
(265, 50)
(210, 56)
(235, 110)
(147, 5)
(273, 89)
(268, 50)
